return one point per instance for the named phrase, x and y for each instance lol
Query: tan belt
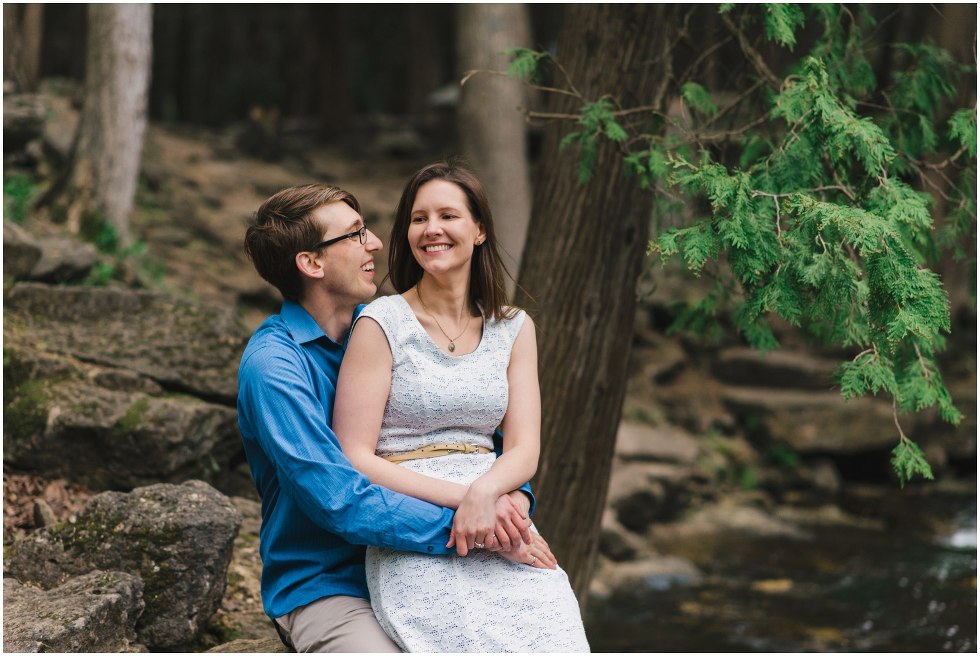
(436, 450)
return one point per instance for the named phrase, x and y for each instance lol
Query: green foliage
(133, 261)
(827, 220)
(697, 97)
(781, 21)
(782, 455)
(963, 130)
(18, 191)
(598, 120)
(525, 63)
(908, 462)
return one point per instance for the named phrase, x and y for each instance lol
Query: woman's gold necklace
(452, 340)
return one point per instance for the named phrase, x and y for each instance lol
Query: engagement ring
(478, 545)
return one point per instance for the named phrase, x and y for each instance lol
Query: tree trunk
(581, 264)
(101, 179)
(23, 26)
(492, 129)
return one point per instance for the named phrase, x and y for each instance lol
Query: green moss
(18, 191)
(133, 418)
(27, 413)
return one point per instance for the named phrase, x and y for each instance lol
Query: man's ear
(309, 265)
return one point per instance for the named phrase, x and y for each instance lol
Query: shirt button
(430, 548)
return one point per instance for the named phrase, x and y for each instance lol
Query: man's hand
(513, 524)
(537, 554)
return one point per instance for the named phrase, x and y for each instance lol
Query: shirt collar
(303, 327)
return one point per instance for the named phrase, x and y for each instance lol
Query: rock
(23, 119)
(824, 477)
(663, 443)
(272, 645)
(828, 516)
(109, 428)
(20, 251)
(43, 514)
(662, 359)
(777, 369)
(181, 345)
(64, 260)
(616, 542)
(614, 546)
(693, 401)
(643, 577)
(95, 612)
(640, 509)
(718, 521)
(642, 493)
(61, 122)
(814, 422)
(177, 538)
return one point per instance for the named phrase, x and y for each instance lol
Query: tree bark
(581, 264)
(492, 130)
(101, 178)
(23, 26)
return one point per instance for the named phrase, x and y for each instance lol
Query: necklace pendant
(452, 346)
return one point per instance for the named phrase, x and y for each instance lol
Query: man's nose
(373, 243)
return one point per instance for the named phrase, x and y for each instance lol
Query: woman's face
(442, 232)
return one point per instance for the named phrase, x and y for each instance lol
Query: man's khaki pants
(336, 624)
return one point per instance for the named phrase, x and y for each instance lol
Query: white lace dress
(483, 602)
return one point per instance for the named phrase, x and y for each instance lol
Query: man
(310, 242)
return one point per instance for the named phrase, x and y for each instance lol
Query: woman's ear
(309, 265)
(482, 237)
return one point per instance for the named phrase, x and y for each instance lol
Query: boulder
(641, 493)
(183, 346)
(64, 260)
(23, 119)
(662, 443)
(712, 527)
(20, 251)
(814, 422)
(177, 538)
(616, 542)
(640, 578)
(107, 427)
(95, 612)
(778, 369)
(61, 119)
(270, 645)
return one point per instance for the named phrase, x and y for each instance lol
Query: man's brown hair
(284, 226)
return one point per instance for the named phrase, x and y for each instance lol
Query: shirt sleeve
(291, 425)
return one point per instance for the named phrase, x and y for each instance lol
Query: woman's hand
(475, 520)
(537, 554)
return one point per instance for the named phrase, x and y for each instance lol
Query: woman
(441, 365)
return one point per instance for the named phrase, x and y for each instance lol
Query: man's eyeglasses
(360, 233)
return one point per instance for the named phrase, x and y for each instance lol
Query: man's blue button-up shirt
(317, 510)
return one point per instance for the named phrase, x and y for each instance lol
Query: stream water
(906, 585)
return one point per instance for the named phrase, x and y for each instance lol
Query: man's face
(348, 264)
